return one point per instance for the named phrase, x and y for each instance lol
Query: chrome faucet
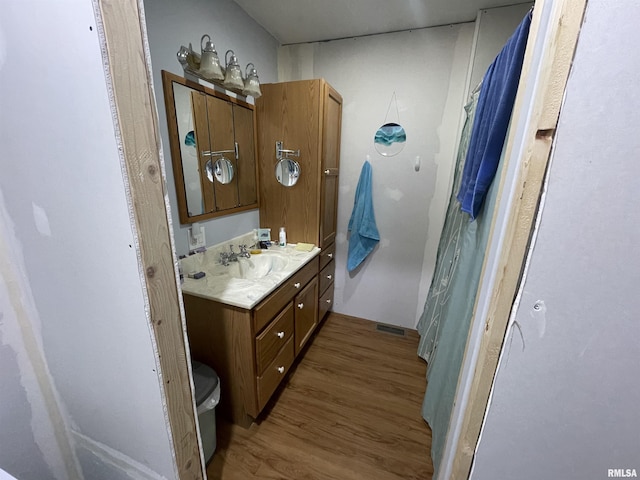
(231, 256)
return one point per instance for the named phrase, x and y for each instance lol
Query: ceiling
(301, 21)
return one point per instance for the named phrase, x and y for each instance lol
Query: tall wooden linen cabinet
(305, 115)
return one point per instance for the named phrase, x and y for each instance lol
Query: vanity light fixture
(207, 66)
(233, 76)
(251, 83)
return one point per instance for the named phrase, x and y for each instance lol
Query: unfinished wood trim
(554, 72)
(136, 126)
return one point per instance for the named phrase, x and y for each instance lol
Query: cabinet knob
(330, 255)
(301, 306)
(297, 284)
(329, 277)
(280, 369)
(327, 171)
(328, 300)
(280, 334)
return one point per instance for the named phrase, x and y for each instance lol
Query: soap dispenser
(282, 238)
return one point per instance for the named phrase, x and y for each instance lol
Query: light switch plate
(196, 238)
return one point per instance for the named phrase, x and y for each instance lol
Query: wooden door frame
(541, 117)
(123, 39)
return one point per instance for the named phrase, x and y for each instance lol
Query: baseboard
(101, 461)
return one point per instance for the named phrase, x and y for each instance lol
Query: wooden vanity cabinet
(305, 115)
(252, 350)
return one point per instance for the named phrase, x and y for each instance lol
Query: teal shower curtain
(444, 324)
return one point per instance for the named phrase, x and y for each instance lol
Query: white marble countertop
(221, 285)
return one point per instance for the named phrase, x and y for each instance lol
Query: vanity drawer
(271, 340)
(270, 307)
(274, 373)
(327, 275)
(327, 255)
(325, 303)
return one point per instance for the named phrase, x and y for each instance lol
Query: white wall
(80, 395)
(565, 398)
(494, 27)
(171, 24)
(427, 70)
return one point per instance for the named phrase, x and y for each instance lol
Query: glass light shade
(209, 61)
(252, 83)
(233, 76)
(210, 66)
(183, 55)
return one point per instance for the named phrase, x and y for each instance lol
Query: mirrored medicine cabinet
(212, 140)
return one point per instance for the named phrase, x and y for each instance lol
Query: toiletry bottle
(282, 239)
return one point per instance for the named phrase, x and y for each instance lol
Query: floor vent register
(381, 327)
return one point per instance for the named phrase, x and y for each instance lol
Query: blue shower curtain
(445, 321)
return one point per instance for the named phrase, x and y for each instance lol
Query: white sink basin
(244, 283)
(257, 266)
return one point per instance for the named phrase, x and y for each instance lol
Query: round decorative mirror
(389, 140)
(221, 170)
(287, 172)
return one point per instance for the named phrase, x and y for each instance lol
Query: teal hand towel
(362, 225)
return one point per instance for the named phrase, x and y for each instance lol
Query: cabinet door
(243, 123)
(306, 316)
(331, 127)
(221, 137)
(202, 144)
(290, 112)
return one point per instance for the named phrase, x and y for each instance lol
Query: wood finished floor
(349, 410)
